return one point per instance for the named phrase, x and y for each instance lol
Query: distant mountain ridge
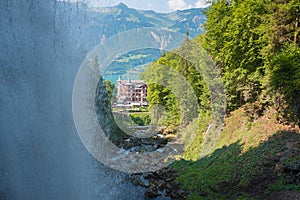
(107, 21)
(98, 24)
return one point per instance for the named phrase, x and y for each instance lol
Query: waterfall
(41, 155)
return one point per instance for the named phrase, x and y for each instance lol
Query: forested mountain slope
(255, 44)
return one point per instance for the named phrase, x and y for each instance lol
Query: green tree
(178, 100)
(285, 76)
(284, 20)
(233, 36)
(110, 87)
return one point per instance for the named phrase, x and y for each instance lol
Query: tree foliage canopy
(255, 43)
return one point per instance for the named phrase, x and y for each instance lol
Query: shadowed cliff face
(41, 156)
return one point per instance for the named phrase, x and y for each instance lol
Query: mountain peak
(122, 5)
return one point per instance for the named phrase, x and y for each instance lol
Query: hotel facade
(131, 92)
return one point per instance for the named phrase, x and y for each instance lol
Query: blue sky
(156, 5)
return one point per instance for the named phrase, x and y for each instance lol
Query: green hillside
(255, 45)
(251, 161)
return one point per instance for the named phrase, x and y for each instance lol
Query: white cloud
(178, 5)
(202, 4)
